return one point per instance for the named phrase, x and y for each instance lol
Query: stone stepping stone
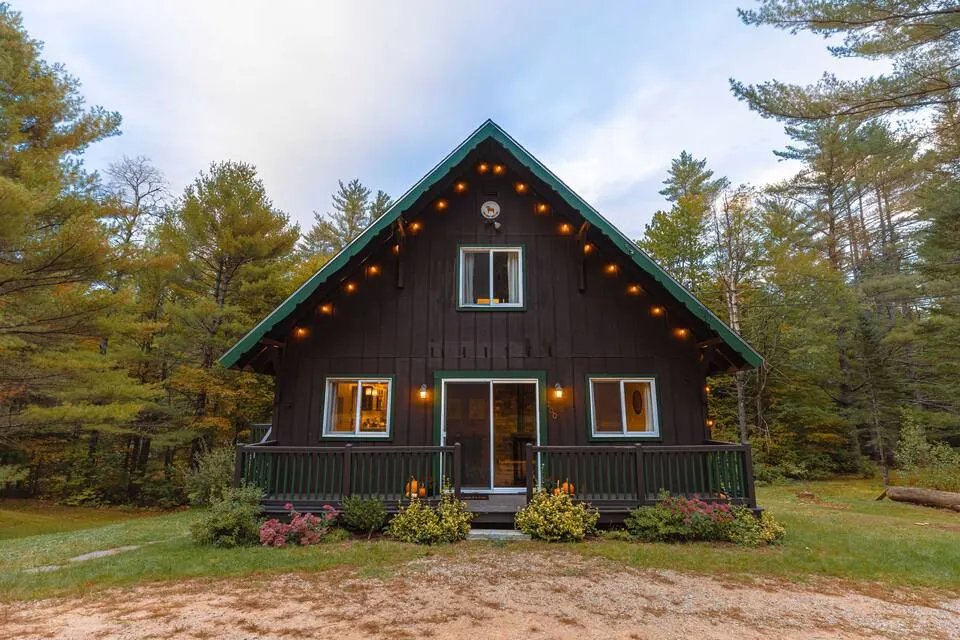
(509, 535)
(84, 557)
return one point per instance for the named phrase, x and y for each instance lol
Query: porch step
(507, 535)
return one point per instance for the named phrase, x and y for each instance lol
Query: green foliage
(353, 211)
(420, 523)
(232, 521)
(557, 518)
(750, 531)
(363, 515)
(676, 519)
(213, 476)
(923, 463)
(12, 474)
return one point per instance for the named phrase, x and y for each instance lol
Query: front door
(493, 420)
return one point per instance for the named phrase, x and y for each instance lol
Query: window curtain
(513, 272)
(466, 278)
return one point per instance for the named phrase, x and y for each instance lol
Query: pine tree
(353, 211)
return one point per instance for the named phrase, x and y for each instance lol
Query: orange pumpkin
(567, 487)
(422, 492)
(556, 491)
(410, 490)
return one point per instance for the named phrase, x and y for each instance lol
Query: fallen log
(926, 497)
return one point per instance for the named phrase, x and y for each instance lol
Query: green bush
(748, 530)
(213, 476)
(363, 516)
(557, 518)
(420, 523)
(232, 521)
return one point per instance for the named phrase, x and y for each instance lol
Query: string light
(656, 311)
(440, 205)
(587, 248)
(542, 208)
(611, 269)
(326, 309)
(565, 228)
(520, 187)
(706, 389)
(711, 422)
(499, 169)
(350, 287)
(415, 226)
(460, 186)
(396, 248)
(300, 332)
(482, 168)
(634, 290)
(681, 333)
(373, 270)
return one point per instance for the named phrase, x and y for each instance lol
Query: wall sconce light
(349, 287)
(460, 186)
(482, 168)
(634, 290)
(656, 311)
(565, 228)
(423, 392)
(520, 187)
(326, 309)
(373, 270)
(499, 169)
(681, 333)
(557, 391)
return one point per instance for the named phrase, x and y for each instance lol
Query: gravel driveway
(486, 593)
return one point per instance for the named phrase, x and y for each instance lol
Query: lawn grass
(843, 533)
(21, 518)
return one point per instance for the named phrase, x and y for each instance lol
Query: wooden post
(238, 461)
(345, 481)
(638, 455)
(748, 476)
(531, 470)
(457, 471)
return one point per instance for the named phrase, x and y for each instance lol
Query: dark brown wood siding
(410, 332)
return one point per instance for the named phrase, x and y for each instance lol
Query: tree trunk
(926, 497)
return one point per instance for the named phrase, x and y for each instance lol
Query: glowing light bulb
(326, 309)
(350, 287)
(611, 269)
(520, 187)
(634, 290)
(373, 270)
(565, 228)
(423, 392)
(542, 207)
(499, 169)
(656, 311)
(441, 205)
(680, 332)
(415, 226)
(483, 168)
(460, 186)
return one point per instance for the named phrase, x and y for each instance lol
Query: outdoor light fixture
(611, 269)
(326, 309)
(440, 205)
(460, 186)
(416, 226)
(423, 392)
(680, 332)
(300, 332)
(482, 168)
(587, 248)
(520, 187)
(565, 228)
(396, 248)
(711, 422)
(373, 270)
(634, 290)
(656, 311)
(707, 389)
(542, 207)
(499, 169)
(350, 287)
(557, 391)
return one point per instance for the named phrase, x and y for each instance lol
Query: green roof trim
(490, 129)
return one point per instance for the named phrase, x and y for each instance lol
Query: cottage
(494, 333)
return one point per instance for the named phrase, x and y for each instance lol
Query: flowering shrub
(679, 519)
(556, 518)
(303, 529)
(420, 523)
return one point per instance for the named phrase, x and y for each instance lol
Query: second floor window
(491, 277)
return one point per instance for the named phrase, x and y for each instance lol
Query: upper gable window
(491, 278)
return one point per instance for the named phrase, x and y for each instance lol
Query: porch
(613, 478)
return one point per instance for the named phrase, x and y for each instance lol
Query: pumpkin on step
(411, 489)
(556, 491)
(567, 487)
(422, 492)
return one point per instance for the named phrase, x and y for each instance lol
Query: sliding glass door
(493, 420)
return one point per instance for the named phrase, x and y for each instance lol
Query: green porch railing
(312, 476)
(629, 475)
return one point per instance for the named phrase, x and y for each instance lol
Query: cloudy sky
(603, 93)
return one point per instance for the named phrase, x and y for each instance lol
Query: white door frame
(490, 382)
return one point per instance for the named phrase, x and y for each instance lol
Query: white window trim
(356, 433)
(654, 411)
(491, 250)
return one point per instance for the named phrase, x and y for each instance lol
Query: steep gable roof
(490, 130)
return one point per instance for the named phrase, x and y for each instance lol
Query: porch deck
(613, 478)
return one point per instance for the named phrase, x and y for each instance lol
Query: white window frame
(653, 410)
(328, 406)
(491, 250)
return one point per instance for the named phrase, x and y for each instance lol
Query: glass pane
(479, 274)
(506, 277)
(468, 422)
(637, 397)
(343, 408)
(514, 425)
(373, 407)
(606, 407)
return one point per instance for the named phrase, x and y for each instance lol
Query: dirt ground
(487, 594)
